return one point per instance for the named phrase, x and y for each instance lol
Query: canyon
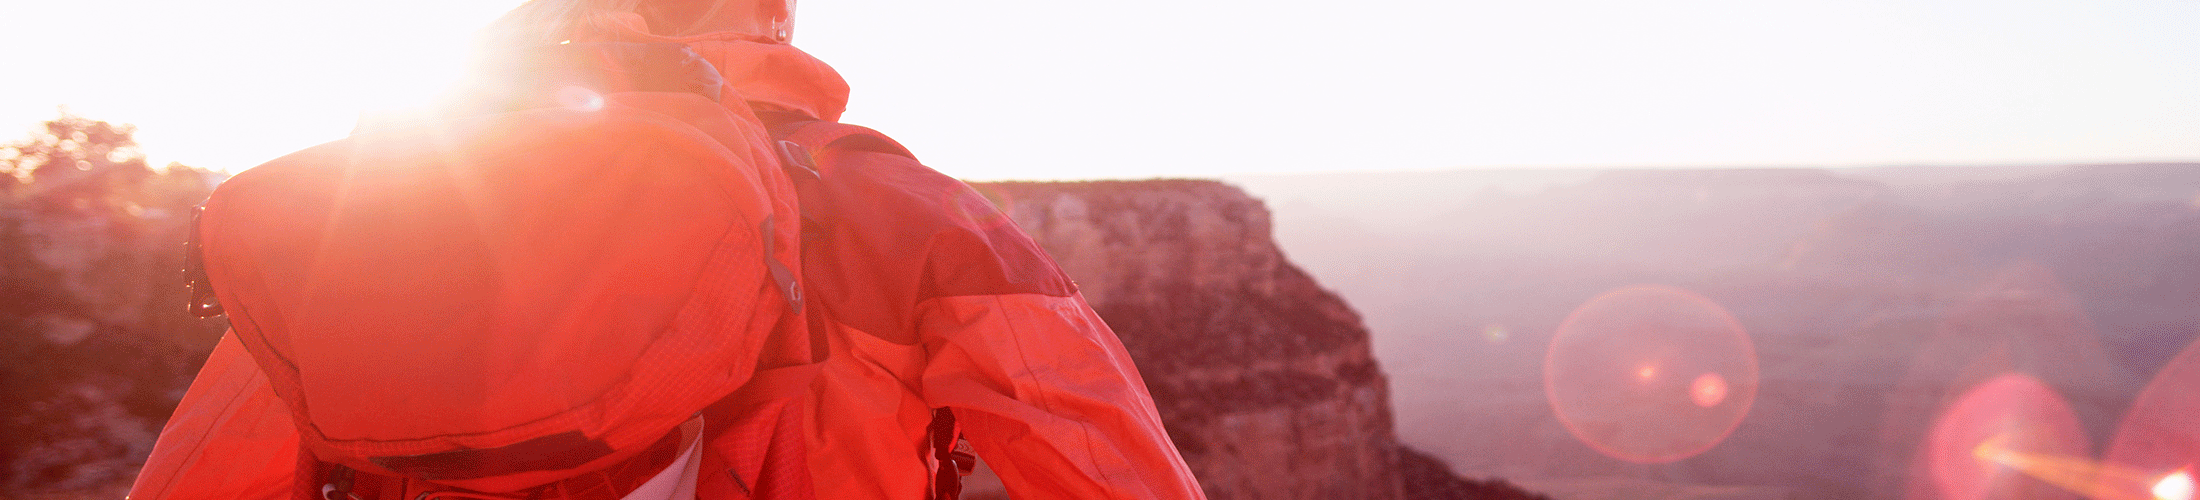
(1875, 299)
(1401, 311)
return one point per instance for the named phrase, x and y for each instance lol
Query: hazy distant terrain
(1873, 297)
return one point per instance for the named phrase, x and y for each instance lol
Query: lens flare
(2010, 437)
(580, 99)
(2031, 440)
(1708, 390)
(2084, 477)
(1650, 374)
(2021, 319)
(2160, 433)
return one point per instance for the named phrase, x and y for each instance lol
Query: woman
(922, 295)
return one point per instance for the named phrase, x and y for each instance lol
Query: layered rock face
(1266, 381)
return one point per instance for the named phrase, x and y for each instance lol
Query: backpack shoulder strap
(797, 137)
(814, 134)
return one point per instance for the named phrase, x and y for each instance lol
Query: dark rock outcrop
(95, 346)
(1427, 478)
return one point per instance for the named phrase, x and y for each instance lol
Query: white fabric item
(677, 481)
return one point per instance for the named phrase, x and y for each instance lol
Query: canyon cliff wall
(1266, 381)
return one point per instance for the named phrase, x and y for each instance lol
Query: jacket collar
(776, 76)
(767, 75)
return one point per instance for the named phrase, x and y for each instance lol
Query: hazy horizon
(1220, 87)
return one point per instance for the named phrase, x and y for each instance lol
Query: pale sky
(1141, 88)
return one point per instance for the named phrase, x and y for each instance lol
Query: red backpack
(515, 297)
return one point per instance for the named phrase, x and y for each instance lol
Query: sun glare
(412, 77)
(2176, 486)
(401, 72)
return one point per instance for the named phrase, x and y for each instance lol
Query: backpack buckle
(203, 302)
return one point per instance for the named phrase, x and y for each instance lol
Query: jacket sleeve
(1041, 387)
(231, 438)
(1047, 395)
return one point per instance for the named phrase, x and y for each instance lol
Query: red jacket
(934, 299)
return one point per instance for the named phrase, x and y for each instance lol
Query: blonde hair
(550, 22)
